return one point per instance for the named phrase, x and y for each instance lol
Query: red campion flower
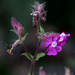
(54, 42)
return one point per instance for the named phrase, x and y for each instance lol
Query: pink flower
(54, 41)
(39, 12)
(63, 38)
(44, 36)
(17, 27)
(53, 47)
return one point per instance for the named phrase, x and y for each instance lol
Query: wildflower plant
(52, 41)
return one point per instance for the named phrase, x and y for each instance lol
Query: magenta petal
(68, 35)
(47, 43)
(14, 22)
(49, 48)
(19, 27)
(42, 45)
(55, 38)
(62, 43)
(58, 48)
(61, 39)
(49, 39)
(44, 38)
(52, 51)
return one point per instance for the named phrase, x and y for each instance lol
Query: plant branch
(38, 25)
(37, 50)
(33, 60)
(26, 50)
(38, 45)
(32, 66)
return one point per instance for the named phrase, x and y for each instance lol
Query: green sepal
(40, 55)
(25, 54)
(41, 29)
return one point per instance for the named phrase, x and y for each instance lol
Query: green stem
(26, 50)
(38, 25)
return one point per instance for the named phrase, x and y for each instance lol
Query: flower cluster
(54, 42)
(39, 12)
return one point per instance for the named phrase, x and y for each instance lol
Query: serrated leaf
(25, 54)
(40, 55)
(41, 29)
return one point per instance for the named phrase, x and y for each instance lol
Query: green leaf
(23, 38)
(25, 54)
(40, 55)
(29, 74)
(41, 29)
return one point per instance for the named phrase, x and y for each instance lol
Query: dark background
(60, 17)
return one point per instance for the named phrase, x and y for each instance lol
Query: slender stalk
(38, 45)
(37, 50)
(26, 50)
(33, 60)
(32, 66)
(38, 25)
